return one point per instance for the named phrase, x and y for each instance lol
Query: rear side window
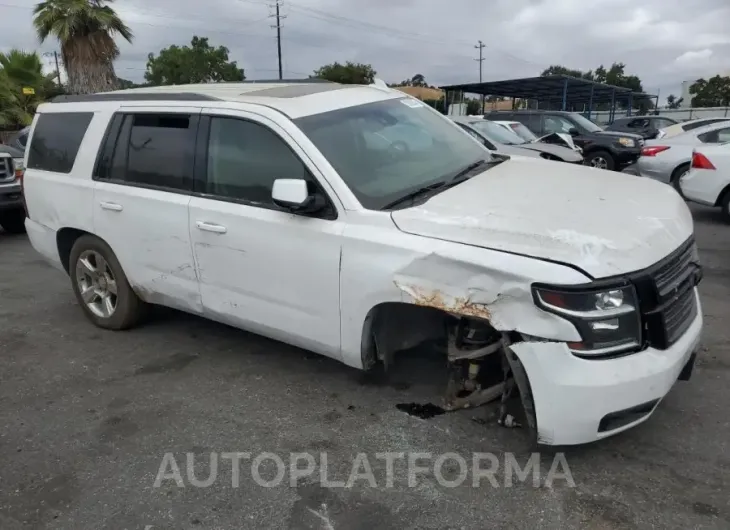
(150, 150)
(701, 123)
(56, 140)
(718, 136)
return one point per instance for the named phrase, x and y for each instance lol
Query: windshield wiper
(466, 172)
(451, 181)
(414, 194)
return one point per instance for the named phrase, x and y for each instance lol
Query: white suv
(356, 221)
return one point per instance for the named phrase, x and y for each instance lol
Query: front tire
(101, 287)
(601, 160)
(13, 222)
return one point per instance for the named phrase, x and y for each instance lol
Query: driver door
(261, 267)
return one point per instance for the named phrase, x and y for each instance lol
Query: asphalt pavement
(103, 430)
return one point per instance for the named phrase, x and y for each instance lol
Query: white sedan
(708, 181)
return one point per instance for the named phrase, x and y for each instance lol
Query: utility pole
(481, 47)
(58, 70)
(279, 18)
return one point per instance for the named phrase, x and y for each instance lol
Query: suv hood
(604, 223)
(617, 134)
(565, 153)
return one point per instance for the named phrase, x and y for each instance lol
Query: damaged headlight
(607, 318)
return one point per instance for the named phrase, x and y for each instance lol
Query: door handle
(209, 227)
(114, 207)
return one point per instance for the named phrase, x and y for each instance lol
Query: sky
(662, 41)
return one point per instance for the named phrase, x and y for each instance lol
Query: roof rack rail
(133, 96)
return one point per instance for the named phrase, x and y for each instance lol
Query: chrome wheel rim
(599, 162)
(96, 283)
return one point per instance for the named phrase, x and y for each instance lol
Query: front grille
(7, 172)
(666, 296)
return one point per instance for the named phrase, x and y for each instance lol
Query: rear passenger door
(144, 180)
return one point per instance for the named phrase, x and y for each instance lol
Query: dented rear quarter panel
(381, 264)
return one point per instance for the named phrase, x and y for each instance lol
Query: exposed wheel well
(65, 239)
(396, 326)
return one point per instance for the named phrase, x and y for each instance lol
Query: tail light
(653, 150)
(700, 161)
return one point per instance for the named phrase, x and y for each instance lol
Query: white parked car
(708, 180)
(280, 209)
(686, 126)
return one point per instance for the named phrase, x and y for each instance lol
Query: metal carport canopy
(554, 87)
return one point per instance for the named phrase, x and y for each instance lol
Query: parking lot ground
(87, 417)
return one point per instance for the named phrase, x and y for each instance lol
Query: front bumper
(581, 400)
(11, 197)
(626, 156)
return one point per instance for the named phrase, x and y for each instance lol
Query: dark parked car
(12, 212)
(647, 126)
(601, 149)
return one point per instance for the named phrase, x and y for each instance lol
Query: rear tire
(101, 287)
(601, 160)
(13, 222)
(677, 174)
(725, 205)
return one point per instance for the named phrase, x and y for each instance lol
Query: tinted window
(717, 136)
(557, 124)
(22, 139)
(245, 158)
(160, 150)
(662, 123)
(701, 123)
(56, 140)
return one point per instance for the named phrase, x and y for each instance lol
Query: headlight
(607, 318)
(18, 166)
(627, 142)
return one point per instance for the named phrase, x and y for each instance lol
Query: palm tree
(86, 30)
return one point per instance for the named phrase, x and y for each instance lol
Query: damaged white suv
(357, 222)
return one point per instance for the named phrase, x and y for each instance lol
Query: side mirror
(293, 194)
(573, 131)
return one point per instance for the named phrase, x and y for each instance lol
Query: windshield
(523, 132)
(585, 123)
(496, 133)
(388, 149)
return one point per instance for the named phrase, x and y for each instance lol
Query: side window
(56, 140)
(245, 158)
(557, 124)
(160, 151)
(723, 135)
(717, 136)
(22, 139)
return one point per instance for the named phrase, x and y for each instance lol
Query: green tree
(86, 31)
(23, 70)
(418, 80)
(12, 113)
(557, 69)
(673, 102)
(197, 63)
(713, 92)
(348, 73)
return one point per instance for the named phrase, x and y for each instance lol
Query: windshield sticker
(413, 103)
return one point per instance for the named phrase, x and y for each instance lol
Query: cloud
(692, 57)
(403, 37)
